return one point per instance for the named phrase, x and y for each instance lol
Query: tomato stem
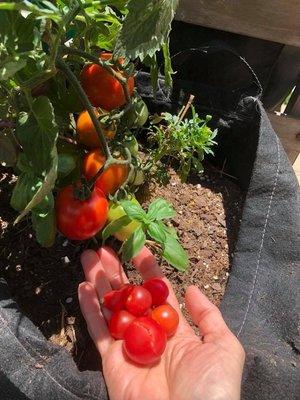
(103, 64)
(85, 101)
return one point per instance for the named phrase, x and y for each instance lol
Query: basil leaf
(133, 244)
(157, 232)
(134, 211)
(160, 209)
(174, 254)
(114, 226)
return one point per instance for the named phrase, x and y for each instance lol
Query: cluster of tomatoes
(142, 318)
(80, 218)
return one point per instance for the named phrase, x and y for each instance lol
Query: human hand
(206, 368)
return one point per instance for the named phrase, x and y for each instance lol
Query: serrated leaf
(174, 254)
(115, 226)
(45, 227)
(8, 151)
(157, 232)
(134, 211)
(145, 28)
(168, 70)
(43, 191)
(160, 209)
(133, 244)
(37, 132)
(8, 69)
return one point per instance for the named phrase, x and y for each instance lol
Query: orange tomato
(102, 89)
(86, 132)
(111, 179)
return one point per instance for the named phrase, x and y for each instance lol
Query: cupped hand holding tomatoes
(111, 179)
(86, 131)
(102, 89)
(206, 366)
(80, 219)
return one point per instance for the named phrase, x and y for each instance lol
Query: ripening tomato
(144, 341)
(115, 212)
(158, 289)
(119, 322)
(102, 89)
(80, 219)
(115, 299)
(111, 179)
(138, 301)
(86, 132)
(167, 317)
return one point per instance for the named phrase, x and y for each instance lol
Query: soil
(44, 281)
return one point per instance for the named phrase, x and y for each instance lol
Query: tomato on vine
(86, 131)
(111, 179)
(80, 219)
(115, 212)
(103, 89)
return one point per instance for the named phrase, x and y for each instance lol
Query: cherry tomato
(102, 88)
(86, 132)
(139, 301)
(80, 219)
(119, 322)
(144, 341)
(137, 115)
(115, 300)
(167, 317)
(111, 179)
(158, 289)
(115, 212)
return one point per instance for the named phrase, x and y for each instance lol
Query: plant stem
(67, 140)
(186, 108)
(85, 101)
(103, 64)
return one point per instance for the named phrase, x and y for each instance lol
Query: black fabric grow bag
(260, 301)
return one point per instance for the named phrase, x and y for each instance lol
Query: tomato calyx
(82, 191)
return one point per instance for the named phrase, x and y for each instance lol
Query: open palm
(191, 367)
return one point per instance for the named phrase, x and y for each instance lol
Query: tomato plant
(119, 322)
(139, 301)
(167, 317)
(158, 289)
(80, 219)
(144, 341)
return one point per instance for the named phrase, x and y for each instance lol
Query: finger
(95, 274)
(146, 264)
(112, 267)
(204, 314)
(95, 320)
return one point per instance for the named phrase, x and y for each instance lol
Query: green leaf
(8, 151)
(157, 232)
(134, 211)
(174, 254)
(8, 69)
(168, 70)
(133, 244)
(160, 209)
(37, 132)
(24, 191)
(45, 227)
(115, 226)
(44, 190)
(145, 28)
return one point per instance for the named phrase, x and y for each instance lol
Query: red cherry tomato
(158, 289)
(167, 317)
(116, 299)
(102, 88)
(144, 341)
(80, 219)
(119, 322)
(139, 301)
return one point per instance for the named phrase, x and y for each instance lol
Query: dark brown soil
(44, 281)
